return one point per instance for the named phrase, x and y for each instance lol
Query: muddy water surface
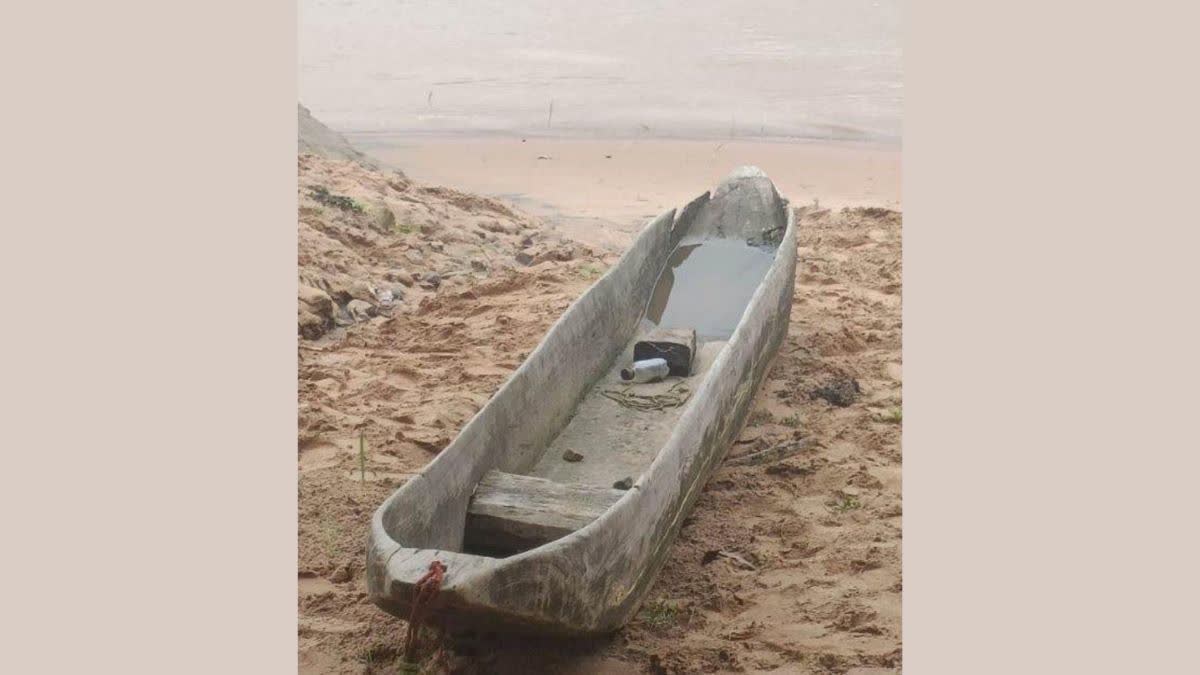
(812, 68)
(707, 286)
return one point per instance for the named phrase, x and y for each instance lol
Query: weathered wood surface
(512, 513)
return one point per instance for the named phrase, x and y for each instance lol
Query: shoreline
(600, 191)
(837, 134)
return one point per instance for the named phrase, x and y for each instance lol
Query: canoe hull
(593, 580)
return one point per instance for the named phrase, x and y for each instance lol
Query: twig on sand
(737, 559)
(770, 454)
(362, 457)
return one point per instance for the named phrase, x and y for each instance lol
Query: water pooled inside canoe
(707, 284)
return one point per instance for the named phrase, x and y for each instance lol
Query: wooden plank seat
(510, 513)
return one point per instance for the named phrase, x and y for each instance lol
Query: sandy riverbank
(811, 582)
(600, 191)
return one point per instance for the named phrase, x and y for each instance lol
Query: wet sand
(601, 191)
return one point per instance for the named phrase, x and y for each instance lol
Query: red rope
(427, 588)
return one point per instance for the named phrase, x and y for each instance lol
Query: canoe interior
(705, 285)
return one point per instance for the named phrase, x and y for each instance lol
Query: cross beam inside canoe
(510, 513)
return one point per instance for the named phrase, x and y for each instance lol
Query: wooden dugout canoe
(536, 544)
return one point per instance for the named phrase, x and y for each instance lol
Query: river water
(825, 69)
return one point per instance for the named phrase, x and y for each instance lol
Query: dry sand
(811, 579)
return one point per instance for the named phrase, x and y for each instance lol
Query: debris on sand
(770, 454)
(385, 296)
(841, 392)
(570, 455)
(739, 560)
(431, 281)
(342, 574)
(360, 310)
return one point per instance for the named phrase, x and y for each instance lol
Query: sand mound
(373, 243)
(314, 138)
